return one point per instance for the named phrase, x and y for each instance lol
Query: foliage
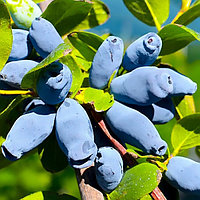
(71, 18)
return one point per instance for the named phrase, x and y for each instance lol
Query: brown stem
(87, 184)
(157, 194)
(44, 4)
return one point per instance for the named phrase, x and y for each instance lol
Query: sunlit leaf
(175, 37)
(5, 34)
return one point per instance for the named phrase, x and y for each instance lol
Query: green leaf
(101, 100)
(30, 79)
(10, 114)
(176, 37)
(151, 12)
(5, 34)
(190, 15)
(77, 75)
(137, 182)
(184, 105)
(12, 105)
(38, 1)
(86, 43)
(185, 133)
(23, 12)
(98, 15)
(51, 156)
(48, 196)
(65, 15)
(146, 197)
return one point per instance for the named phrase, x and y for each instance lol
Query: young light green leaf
(146, 197)
(189, 15)
(77, 75)
(151, 12)
(175, 37)
(137, 182)
(184, 105)
(65, 15)
(5, 34)
(48, 196)
(101, 100)
(98, 15)
(50, 149)
(86, 43)
(23, 12)
(186, 133)
(30, 79)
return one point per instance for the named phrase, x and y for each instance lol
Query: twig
(44, 4)
(88, 185)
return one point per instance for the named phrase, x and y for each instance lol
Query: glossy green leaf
(151, 12)
(30, 79)
(38, 1)
(86, 43)
(65, 15)
(146, 197)
(184, 105)
(12, 105)
(190, 15)
(51, 156)
(9, 114)
(48, 196)
(5, 34)
(101, 100)
(98, 15)
(77, 75)
(186, 133)
(176, 37)
(137, 182)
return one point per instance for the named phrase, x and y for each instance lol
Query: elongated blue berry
(182, 85)
(13, 72)
(54, 83)
(160, 112)
(75, 134)
(21, 46)
(108, 168)
(44, 36)
(106, 60)
(28, 131)
(142, 86)
(142, 52)
(134, 128)
(184, 174)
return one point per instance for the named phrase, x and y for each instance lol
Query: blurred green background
(27, 175)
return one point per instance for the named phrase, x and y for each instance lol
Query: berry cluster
(142, 99)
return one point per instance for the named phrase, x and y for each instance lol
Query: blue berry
(134, 128)
(21, 46)
(184, 174)
(28, 131)
(142, 86)
(75, 134)
(13, 72)
(54, 83)
(108, 168)
(142, 52)
(44, 36)
(106, 60)
(182, 85)
(159, 113)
